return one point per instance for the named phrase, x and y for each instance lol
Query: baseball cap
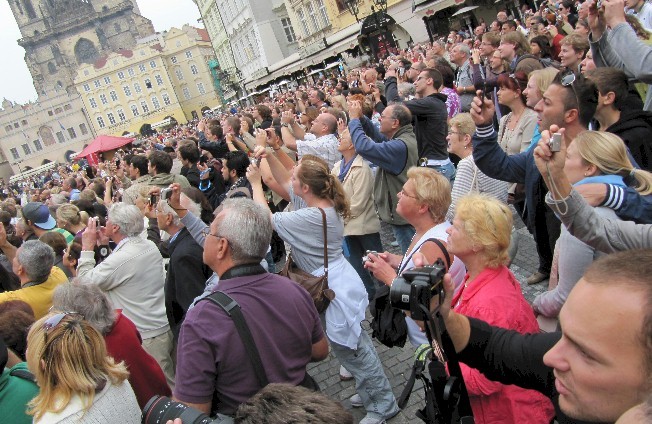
(39, 215)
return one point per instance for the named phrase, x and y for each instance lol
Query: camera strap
(232, 308)
(416, 249)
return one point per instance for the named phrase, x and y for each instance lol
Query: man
(431, 114)
(560, 106)
(317, 98)
(515, 48)
(214, 371)
(508, 26)
(642, 10)
(139, 175)
(460, 55)
(69, 185)
(394, 150)
(598, 366)
(573, 50)
(133, 278)
(489, 44)
(620, 47)
(33, 264)
(211, 138)
(39, 221)
(160, 164)
(320, 141)
(412, 72)
(187, 274)
(633, 126)
(189, 155)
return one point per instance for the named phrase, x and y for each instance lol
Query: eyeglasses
(403, 193)
(455, 132)
(207, 233)
(52, 322)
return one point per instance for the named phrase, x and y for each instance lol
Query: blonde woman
(78, 381)
(70, 219)
(480, 237)
(592, 157)
(469, 179)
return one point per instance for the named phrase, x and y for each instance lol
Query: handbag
(317, 287)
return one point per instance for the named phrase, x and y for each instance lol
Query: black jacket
(635, 128)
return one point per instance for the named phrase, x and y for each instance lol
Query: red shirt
(123, 343)
(495, 297)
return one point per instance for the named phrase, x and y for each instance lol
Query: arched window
(45, 133)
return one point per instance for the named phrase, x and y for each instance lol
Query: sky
(15, 79)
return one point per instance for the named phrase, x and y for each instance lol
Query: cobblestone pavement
(398, 361)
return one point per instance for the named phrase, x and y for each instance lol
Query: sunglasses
(53, 322)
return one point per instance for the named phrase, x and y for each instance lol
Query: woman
(311, 186)
(362, 229)
(71, 258)
(448, 88)
(77, 379)
(588, 64)
(469, 178)
(480, 237)
(540, 47)
(70, 219)
(423, 203)
(592, 157)
(120, 335)
(57, 242)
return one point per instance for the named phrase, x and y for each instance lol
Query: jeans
(370, 381)
(357, 246)
(403, 235)
(447, 170)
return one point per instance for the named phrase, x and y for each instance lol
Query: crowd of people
(154, 272)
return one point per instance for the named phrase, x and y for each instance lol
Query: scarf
(345, 167)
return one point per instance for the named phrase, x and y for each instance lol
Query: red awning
(104, 143)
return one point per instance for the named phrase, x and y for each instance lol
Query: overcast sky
(15, 79)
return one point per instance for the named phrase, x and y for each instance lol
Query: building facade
(165, 76)
(58, 36)
(48, 130)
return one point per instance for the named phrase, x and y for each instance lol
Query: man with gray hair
(212, 363)
(133, 278)
(33, 264)
(460, 55)
(187, 273)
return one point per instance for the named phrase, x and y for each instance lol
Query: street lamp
(354, 8)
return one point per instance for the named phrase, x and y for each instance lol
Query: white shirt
(644, 15)
(325, 147)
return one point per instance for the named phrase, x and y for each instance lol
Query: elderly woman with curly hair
(78, 380)
(480, 237)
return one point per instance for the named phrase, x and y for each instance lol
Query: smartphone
(153, 199)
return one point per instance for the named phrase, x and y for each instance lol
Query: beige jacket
(359, 186)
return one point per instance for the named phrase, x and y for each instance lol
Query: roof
(203, 34)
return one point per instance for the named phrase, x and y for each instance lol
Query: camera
(416, 287)
(166, 193)
(254, 161)
(555, 142)
(160, 409)
(365, 258)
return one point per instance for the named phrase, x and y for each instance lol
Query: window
(71, 133)
(304, 23)
(23, 122)
(173, 59)
(152, 64)
(134, 110)
(144, 105)
(67, 107)
(159, 79)
(50, 113)
(121, 75)
(313, 16)
(141, 67)
(27, 149)
(9, 128)
(179, 74)
(194, 70)
(60, 137)
(121, 115)
(131, 72)
(322, 12)
(56, 112)
(100, 122)
(16, 125)
(116, 27)
(92, 102)
(83, 129)
(97, 83)
(107, 80)
(289, 31)
(114, 96)
(156, 103)
(14, 153)
(37, 145)
(103, 99)
(137, 87)
(111, 118)
(189, 54)
(127, 90)
(166, 99)
(200, 87)
(186, 93)
(87, 87)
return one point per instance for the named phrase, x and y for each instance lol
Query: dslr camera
(416, 287)
(160, 409)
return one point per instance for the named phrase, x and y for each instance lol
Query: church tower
(60, 35)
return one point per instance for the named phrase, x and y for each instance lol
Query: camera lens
(160, 409)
